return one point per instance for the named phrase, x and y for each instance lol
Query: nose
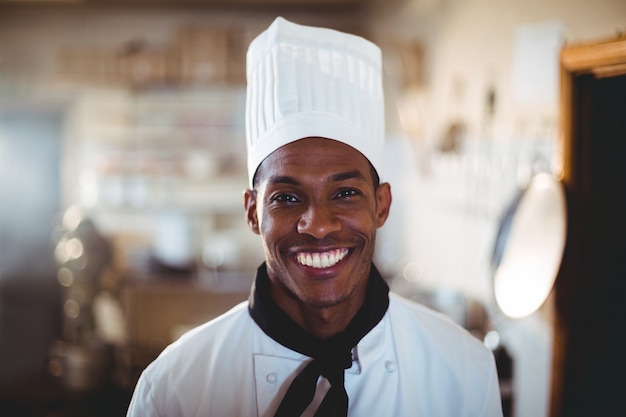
(318, 220)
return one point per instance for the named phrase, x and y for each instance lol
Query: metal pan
(529, 247)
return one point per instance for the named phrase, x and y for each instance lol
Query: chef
(321, 334)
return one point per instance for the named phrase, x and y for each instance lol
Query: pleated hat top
(306, 81)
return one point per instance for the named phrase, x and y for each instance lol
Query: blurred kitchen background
(122, 166)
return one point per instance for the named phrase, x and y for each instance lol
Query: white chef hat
(308, 81)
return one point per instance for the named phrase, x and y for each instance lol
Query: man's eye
(285, 198)
(348, 192)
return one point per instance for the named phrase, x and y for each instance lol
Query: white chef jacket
(414, 362)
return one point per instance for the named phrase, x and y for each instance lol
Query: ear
(249, 202)
(383, 203)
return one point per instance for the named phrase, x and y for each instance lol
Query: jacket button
(391, 366)
(271, 378)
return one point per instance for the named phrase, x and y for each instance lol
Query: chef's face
(316, 206)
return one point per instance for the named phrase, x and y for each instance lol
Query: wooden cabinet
(158, 312)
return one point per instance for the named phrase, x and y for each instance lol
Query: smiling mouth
(321, 259)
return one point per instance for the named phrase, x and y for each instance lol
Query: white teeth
(322, 260)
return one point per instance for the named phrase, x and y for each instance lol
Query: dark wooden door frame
(589, 359)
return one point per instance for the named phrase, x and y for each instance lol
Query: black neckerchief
(331, 356)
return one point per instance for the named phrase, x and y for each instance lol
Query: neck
(312, 331)
(321, 322)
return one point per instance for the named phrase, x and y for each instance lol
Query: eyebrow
(341, 176)
(283, 179)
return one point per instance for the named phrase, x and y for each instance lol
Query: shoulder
(439, 336)
(189, 374)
